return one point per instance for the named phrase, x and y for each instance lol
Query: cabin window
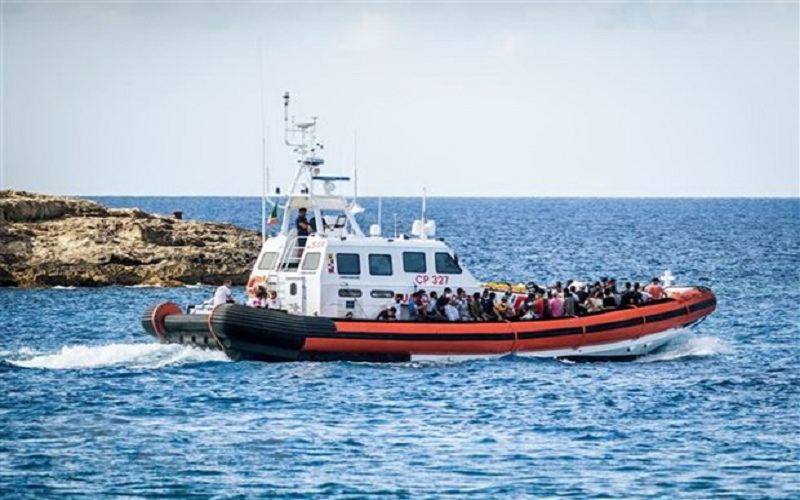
(293, 289)
(445, 264)
(348, 263)
(414, 262)
(380, 264)
(311, 261)
(267, 261)
(349, 293)
(381, 294)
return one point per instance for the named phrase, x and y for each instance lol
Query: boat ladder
(272, 283)
(291, 255)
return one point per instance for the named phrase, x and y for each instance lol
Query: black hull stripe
(557, 332)
(702, 305)
(614, 325)
(654, 318)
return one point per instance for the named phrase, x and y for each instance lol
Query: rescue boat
(334, 282)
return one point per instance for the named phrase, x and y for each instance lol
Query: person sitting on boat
(422, 304)
(462, 304)
(627, 297)
(526, 308)
(569, 304)
(509, 298)
(556, 304)
(503, 310)
(612, 283)
(399, 306)
(644, 296)
(581, 293)
(475, 309)
(608, 300)
(526, 313)
(636, 298)
(274, 302)
(540, 308)
(432, 309)
(223, 294)
(594, 303)
(413, 307)
(488, 307)
(260, 300)
(389, 314)
(451, 310)
(581, 296)
(655, 290)
(430, 305)
(443, 300)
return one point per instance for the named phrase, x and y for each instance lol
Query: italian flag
(273, 217)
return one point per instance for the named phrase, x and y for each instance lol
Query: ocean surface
(90, 406)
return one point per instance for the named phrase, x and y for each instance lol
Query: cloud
(370, 33)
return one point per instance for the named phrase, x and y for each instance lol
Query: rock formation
(59, 241)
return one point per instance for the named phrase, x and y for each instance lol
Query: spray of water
(692, 347)
(142, 356)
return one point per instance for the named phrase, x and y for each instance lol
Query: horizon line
(516, 197)
(519, 197)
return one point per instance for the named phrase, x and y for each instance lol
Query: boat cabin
(337, 269)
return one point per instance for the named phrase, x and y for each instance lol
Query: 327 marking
(435, 279)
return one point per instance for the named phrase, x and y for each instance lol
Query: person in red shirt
(540, 308)
(655, 290)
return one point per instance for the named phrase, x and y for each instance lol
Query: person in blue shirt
(413, 310)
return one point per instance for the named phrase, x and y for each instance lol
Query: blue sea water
(93, 407)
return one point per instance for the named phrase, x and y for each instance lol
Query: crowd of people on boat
(555, 301)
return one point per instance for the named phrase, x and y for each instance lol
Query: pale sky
(600, 99)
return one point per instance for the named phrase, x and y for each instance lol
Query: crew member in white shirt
(223, 294)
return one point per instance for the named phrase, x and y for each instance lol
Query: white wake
(127, 355)
(692, 347)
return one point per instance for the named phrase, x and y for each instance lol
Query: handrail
(288, 255)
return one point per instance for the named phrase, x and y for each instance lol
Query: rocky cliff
(51, 240)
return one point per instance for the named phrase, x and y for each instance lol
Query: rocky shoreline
(50, 241)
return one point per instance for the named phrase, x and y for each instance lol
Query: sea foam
(128, 355)
(693, 347)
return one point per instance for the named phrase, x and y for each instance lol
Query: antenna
(380, 211)
(264, 174)
(424, 203)
(286, 118)
(355, 168)
(355, 208)
(267, 200)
